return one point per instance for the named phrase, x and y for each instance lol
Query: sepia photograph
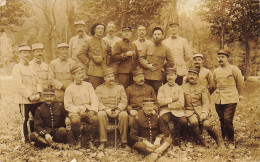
(129, 80)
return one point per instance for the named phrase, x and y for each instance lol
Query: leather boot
(102, 146)
(197, 134)
(92, 146)
(162, 148)
(214, 134)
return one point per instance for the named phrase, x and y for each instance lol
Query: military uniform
(50, 119)
(27, 84)
(147, 127)
(141, 44)
(80, 100)
(93, 54)
(155, 55)
(125, 63)
(41, 70)
(59, 75)
(109, 98)
(229, 83)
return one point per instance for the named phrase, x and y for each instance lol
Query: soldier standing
(180, 50)
(171, 100)
(93, 54)
(148, 132)
(112, 104)
(81, 102)
(40, 67)
(59, 71)
(141, 42)
(197, 107)
(153, 59)
(28, 87)
(228, 82)
(125, 54)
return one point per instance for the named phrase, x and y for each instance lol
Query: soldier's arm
(187, 51)
(210, 81)
(101, 105)
(179, 104)
(214, 83)
(123, 99)
(162, 99)
(93, 98)
(129, 108)
(51, 75)
(83, 53)
(38, 124)
(205, 101)
(68, 103)
(117, 54)
(134, 131)
(142, 58)
(18, 83)
(169, 57)
(239, 79)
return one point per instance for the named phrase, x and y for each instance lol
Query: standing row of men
(106, 62)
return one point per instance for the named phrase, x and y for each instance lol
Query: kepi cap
(137, 71)
(75, 68)
(63, 45)
(194, 70)
(37, 46)
(224, 52)
(108, 71)
(174, 22)
(24, 48)
(80, 22)
(148, 100)
(171, 70)
(126, 28)
(197, 55)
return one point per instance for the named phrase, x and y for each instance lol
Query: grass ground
(247, 134)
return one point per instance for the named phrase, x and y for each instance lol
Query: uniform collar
(78, 83)
(63, 60)
(39, 62)
(126, 40)
(141, 39)
(175, 36)
(24, 62)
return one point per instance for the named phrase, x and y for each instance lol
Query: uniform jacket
(26, 82)
(49, 117)
(41, 70)
(142, 45)
(229, 83)
(59, 75)
(165, 97)
(147, 126)
(75, 44)
(158, 56)
(125, 63)
(79, 98)
(136, 94)
(93, 53)
(181, 52)
(110, 97)
(196, 99)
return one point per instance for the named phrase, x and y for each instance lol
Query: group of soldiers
(144, 84)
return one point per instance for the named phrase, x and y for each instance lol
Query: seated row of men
(149, 131)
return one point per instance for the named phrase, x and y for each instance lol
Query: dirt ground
(247, 134)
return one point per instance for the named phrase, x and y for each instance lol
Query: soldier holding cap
(59, 71)
(49, 121)
(154, 58)
(28, 88)
(171, 100)
(40, 67)
(93, 54)
(125, 54)
(228, 82)
(141, 42)
(137, 92)
(81, 102)
(148, 131)
(180, 50)
(197, 107)
(112, 104)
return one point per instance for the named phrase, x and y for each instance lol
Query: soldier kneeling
(148, 132)
(49, 122)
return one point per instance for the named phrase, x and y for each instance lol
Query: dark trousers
(125, 79)
(179, 80)
(96, 81)
(156, 84)
(25, 109)
(226, 114)
(178, 122)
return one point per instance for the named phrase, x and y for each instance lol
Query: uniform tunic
(229, 83)
(147, 126)
(196, 99)
(41, 70)
(79, 98)
(156, 55)
(111, 41)
(181, 51)
(75, 44)
(49, 117)
(165, 96)
(136, 94)
(141, 44)
(59, 75)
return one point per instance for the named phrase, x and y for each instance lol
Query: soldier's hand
(63, 88)
(240, 98)
(130, 53)
(48, 138)
(203, 116)
(32, 98)
(91, 113)
(133, 112)
(151, 67)
(37, 96)
(175, 98)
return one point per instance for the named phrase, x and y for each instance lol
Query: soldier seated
(196, 107)
(148, 132)
(49, 122)
(113, 101)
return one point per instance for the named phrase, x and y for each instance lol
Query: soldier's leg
(92, 120)
(194, 123)
(141, 147)
(33, 110)
(166, 118)
(39, 141)
(212, 131)
(166, 142)
(75, 126)
(229, 113)
(124, 79)
(179, 123)
(96, 81)
(59, 135)
(123, 125)
(220, 111)
(24, 110)
(103, 123)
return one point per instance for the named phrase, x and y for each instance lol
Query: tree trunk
(222, 37)
(247, 59)
(125, 15)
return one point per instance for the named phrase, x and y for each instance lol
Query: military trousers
(226, 114)
(122, 125)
